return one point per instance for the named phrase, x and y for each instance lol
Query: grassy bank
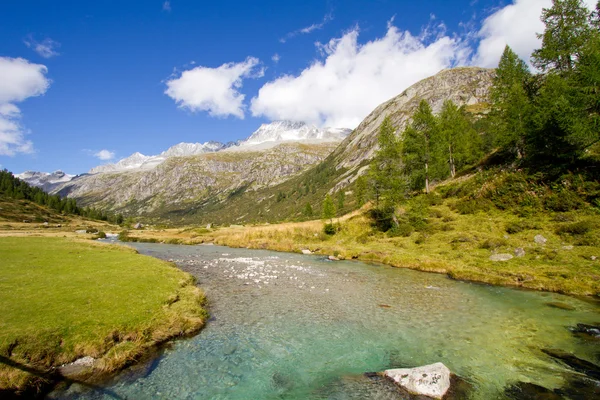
(63, 299)
(453, 232)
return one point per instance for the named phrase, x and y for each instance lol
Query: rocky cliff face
(466, 86)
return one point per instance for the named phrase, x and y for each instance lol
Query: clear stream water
(287, 326)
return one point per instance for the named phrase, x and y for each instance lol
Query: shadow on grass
(49, 381)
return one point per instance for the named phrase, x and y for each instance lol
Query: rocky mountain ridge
(45, 180)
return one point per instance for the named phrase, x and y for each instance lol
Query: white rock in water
(501, 257)
(306, 252)
(429, 380)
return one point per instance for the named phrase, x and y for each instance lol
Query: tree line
(544, 120)
(13, 187)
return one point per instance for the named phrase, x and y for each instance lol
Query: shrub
(329, 229)
(101, 235)
(575, 228)
(124, 236)
(421, 238)
(383, 218)
(91, 230)
(565, 200)
(403, 229)
(471, 206)
(493, 243)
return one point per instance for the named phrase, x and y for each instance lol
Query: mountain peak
(282, 131)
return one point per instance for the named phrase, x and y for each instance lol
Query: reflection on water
(288, 326)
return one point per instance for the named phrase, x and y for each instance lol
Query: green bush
(329, 229)
(403, 229)
(101, 235)
(493, 243)
(562, 201)
(576, 228)
(124, 236)
(472, 206)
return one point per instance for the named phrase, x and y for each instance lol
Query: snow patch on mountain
(286, 131)
(45, 180)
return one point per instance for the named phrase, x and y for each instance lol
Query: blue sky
(79, 77)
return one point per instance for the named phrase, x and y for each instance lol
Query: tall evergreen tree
(420, 148)
(564, 37)
(461, 142)
(511, 105)
(361, 190)
(386, 168)
(328, 209)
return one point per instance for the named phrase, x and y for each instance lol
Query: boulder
(430, 380)
(306, 252)
(77, 366)
(333, 258)
(501, 257)
(138, 226)
(539, 239)
(519, 252)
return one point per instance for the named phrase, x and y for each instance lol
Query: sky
(88, 83)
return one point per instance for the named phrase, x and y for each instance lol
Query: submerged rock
(430, 380)
(588, 331)
(530, 391)
(559, 305)
(579, 365)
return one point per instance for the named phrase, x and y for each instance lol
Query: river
(289, 326)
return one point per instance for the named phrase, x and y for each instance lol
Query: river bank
(100, 306)
(540, 252)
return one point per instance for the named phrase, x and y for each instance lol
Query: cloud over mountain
(215, 90)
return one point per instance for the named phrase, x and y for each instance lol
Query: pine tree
(328, 209)
(421, 147)
(308, 211)
(564, 37)
(361, 190)
(461, 142)
(511, 105)
(386, 169)
(341, 199)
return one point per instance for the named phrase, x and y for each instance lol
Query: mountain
(272, 175)
(46, 181)
(283, 131)
(468, 87)
(139, 161)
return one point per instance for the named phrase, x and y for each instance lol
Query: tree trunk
(427, 178)
(452, 167)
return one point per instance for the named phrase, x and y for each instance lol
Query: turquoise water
(287, 326)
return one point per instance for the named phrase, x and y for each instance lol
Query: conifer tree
(420, 147)
(461, 142)
(361, 190)
(511, 105)
(386, 170)
(564, 37)
(328, 209)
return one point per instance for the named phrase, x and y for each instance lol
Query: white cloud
(46, 48)
(516, 25)
(215, 90)
(167, 6)
(353, 79)
(105, 155)
(20, 80)
(308, 29)
(275, 58)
